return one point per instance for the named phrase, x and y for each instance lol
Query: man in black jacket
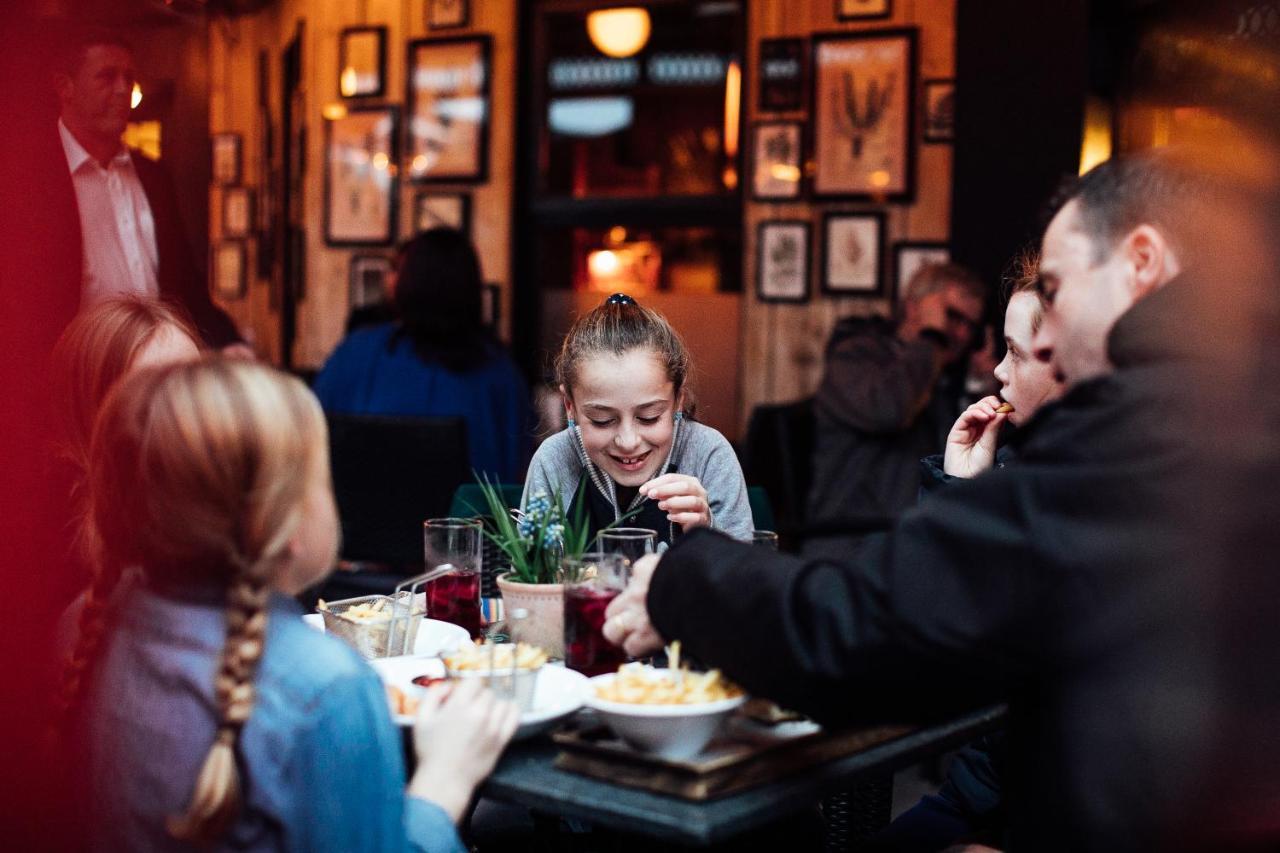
(119, 207)
(1082, 586)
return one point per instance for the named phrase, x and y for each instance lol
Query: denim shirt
(321, 764)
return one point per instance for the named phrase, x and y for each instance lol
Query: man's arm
(932, 619)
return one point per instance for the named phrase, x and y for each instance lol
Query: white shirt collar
(77, 156)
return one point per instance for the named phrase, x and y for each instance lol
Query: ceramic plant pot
(544, 626)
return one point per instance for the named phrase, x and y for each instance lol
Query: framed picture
(237, 212)
(444, 14)
(862, 115)
(939, 110)
(436, 210)
(227, 158)
(910, 256)
(777, 160)
(852, 249)
(362, 62)
(491, 305)
(228, 269)
(782, 261)
(359, 177)
(781, 75)
(448, 102)
(369, 279)
(861, 10)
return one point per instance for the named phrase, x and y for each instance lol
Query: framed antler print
(863, 116)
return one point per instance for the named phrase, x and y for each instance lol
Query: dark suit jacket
(181, 280)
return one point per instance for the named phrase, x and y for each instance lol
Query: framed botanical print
(782, 261)
(369, 279)
(862, 115)
(448, 103)
(852, 253)
(781, 71)
(862, 10)
(227, 158)
(776, 160)
(436, 210)
(939, 110)
(910, 256)
(237, 212)
(228, 269)
(359, 177)
(445, 14)
(362, 62)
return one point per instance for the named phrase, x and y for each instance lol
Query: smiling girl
(622, 372)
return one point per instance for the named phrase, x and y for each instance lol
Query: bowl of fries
(509, 669)
(671, 712)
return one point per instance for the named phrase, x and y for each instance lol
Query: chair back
(389, 475)
(778, 458)
(468, 501)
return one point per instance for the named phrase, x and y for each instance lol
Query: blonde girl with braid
(210, 713)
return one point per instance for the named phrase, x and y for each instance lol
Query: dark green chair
(761, 509)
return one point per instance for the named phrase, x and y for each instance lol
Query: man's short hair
(75, 44)
(932, 278)
(1118, 195)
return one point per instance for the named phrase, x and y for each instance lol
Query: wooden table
(526, 776)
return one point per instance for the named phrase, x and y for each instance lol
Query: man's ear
(1152, 259)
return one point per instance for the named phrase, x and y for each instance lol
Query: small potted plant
(535, 541)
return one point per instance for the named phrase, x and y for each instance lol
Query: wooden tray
(745, 754)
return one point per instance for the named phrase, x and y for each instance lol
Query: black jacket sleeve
(934, 618)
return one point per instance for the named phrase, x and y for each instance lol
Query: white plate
(434, 637)
(559, 692)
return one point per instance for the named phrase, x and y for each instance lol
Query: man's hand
(626, 621)
(971, 444)
(681, 497)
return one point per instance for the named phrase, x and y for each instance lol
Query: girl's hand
(681, 497)
(971, 444)
(460, 731)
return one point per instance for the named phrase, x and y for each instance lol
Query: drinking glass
(590, 583)
(452, 547)
(767, 538)
(631, 543)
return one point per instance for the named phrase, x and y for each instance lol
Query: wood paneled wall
(233, 106)
(782, 344)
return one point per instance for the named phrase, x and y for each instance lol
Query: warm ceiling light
(136, 97)
(619, 32)
(333, 112)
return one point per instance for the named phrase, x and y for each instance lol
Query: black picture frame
(843, 12)
(796, 187)
(822, 138)
(426, 173)
(226, 158)
(938, 110)
(901, 248)
(238, 212)
(439, 17)
(228, 269)
(349, 33)
(385, 234)
(367, 279)
(764, 293)
(426, 196)
(876, 290)
(780, 74)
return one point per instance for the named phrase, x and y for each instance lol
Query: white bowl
(672, 731)
(559, 691)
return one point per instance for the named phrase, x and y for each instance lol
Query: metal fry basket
(378, 626)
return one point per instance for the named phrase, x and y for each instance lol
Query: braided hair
(199, 475)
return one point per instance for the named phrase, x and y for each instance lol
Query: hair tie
(619, 299)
